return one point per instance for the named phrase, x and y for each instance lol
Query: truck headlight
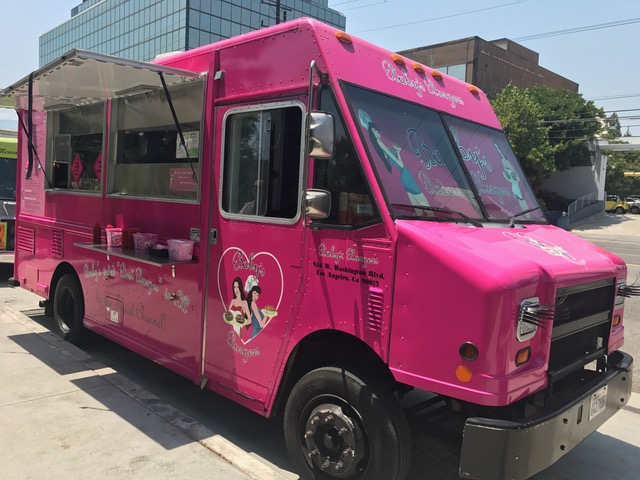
(621, 293)
(532, 315)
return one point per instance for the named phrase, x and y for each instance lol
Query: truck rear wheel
(339, 425)
(68, 309)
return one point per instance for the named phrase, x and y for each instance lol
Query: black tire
(635, 210)
(68, 309)
(339, 425)
(620, 210)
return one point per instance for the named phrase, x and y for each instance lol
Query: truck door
(256, 258)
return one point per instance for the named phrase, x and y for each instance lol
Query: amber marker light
(344, 37)
(397, 59)
(436, 74)
(474, 90)
(523, 356)
(617, 319)
(463, 374)
(417, 67)
(468, 351)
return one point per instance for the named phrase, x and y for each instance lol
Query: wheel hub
(335, 440)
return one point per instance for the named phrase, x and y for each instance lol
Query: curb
(217, 444)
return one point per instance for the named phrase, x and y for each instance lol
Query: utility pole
(281, 12)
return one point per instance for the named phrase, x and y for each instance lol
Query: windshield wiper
(470, 220)
(513, 217)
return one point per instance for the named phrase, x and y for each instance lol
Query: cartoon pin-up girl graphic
(238, 313)
(244, 315)
(258, 319)
(391, 158)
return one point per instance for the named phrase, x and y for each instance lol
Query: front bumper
(500, 449)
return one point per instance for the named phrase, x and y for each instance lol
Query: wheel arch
(62, 269)
(325, 348)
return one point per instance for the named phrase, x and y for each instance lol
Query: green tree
(612, 130)
(520, 116)
(548, 128)
(617, 164)
(573, 122)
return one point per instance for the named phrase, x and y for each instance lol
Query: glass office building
(142, 29)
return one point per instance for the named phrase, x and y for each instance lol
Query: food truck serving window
(262, 158)
(77, 140)
(147, 155)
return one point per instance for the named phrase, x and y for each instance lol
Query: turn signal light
(616, 320)
(463, 374)
(436, 74)
(474, 90)
(523, 356)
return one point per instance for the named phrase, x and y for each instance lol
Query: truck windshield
(424, 158)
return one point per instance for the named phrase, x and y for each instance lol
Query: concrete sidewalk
(65, 415)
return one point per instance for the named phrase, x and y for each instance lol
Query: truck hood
(549, 251)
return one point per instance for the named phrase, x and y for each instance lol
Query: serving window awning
(81, 77)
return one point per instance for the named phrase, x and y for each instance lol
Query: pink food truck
(314, 226)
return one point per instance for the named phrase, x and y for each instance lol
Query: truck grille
(579, 340)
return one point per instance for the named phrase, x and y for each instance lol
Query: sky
(590, 42)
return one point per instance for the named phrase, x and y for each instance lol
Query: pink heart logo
(251, 288)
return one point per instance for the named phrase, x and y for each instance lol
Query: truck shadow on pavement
(201, 414)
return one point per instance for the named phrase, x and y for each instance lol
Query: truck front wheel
(339, 425)
(68, 309)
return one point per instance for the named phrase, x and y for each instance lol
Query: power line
(586, 28)
(613, 97)
(361, 6)
(442, 18)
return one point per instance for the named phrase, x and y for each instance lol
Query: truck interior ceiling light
(463, 374)
(468, 351)
(344, 37)
(523, 356)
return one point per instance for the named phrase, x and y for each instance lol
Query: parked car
(633, 201)
(616, 204)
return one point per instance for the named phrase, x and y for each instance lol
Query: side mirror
(317, 204)
(321, 135)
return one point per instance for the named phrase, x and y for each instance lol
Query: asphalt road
(620, 234)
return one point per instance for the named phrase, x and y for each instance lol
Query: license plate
(598, 403)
